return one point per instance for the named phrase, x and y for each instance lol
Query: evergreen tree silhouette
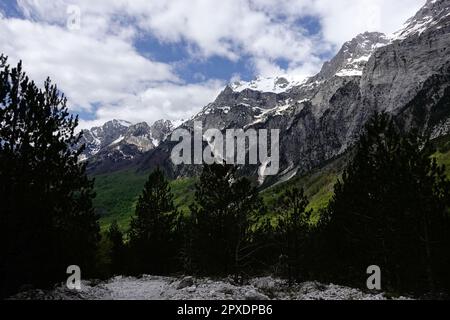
(293, 228)
(118, 249)
(390, 210)
(151, 235)
(224, 208)
(46, 213)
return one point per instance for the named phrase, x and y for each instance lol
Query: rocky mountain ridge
(118, 142)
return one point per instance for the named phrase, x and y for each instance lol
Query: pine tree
(222, 214)
(118, 249)
(46, 212)
(293, 228)
(390, 209)
(151, 230)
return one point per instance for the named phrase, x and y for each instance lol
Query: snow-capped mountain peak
(431, 14)
(277, 84)
(350, 61)
(353, 56)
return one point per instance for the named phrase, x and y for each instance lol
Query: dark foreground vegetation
(46, 217)
(390, 209)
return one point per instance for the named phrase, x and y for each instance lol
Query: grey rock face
(98, 138)
(397, 72)
(160, 130)
(353, 56)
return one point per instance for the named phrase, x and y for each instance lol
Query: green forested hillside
(117, 193)
(318, 186)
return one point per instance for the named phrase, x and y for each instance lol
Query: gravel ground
(188, 288)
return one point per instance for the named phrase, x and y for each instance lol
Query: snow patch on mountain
(428, 16)
(280, 110)
(277, 84)
(124, 123)
(119, 140)
(177, 123)
(356, 53)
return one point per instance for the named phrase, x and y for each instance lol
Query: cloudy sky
(143, 60)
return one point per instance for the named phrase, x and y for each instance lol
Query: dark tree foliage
(267, 257)
(293, 230)
(118, 250)
(46, 213)
(390, 210)
(186, 229)
(152, 241)
(222, 216)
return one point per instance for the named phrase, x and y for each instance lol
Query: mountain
(302, 110)
(406, 74)
(118, 143)
(97, 138)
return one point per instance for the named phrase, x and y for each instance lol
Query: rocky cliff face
(119, 143)
(406, 74)
(98, 138)
(353, 56)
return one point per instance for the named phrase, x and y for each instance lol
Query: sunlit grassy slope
(318, 186)
(442, 154)
(117, 193)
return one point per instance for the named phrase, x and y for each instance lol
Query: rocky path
(188, 288)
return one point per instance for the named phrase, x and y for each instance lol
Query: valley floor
(165, 288)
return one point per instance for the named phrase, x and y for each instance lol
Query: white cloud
(168, 101)
(262, 29)
(89, 70)
(230, 29)
(99, 66)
